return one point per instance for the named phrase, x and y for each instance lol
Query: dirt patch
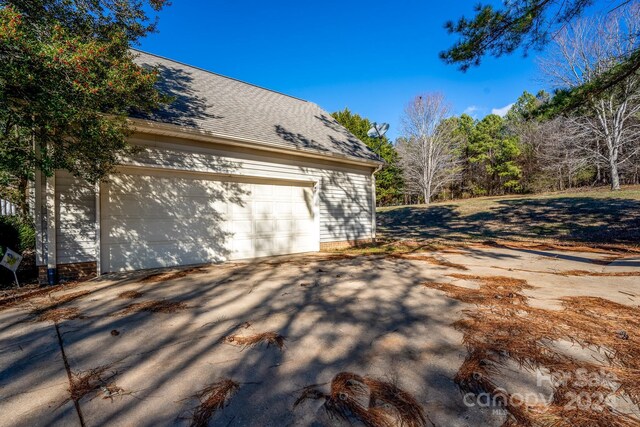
(212, 398)
(129, 295)
(271, 338)
(430, 259)
(154, 306)
(171, 275)
(496, 333)
(367, 401)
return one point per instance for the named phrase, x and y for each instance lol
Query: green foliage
(493, 148)
(389, 185)
(68, 93)
(91, 19)
(529, 24)
(518, 24)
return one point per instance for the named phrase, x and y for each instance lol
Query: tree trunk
(23, 194)
(427, 195)
(615, 178)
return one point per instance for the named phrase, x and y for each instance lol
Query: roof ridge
(218, 74)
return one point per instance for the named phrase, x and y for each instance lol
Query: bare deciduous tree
(427, 146)
(561, 156)
(584, 51)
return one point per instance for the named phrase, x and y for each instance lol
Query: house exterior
(227, 171)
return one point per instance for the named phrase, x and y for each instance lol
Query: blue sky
(369, 56)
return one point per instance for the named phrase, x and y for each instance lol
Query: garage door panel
(154, 230)
(300, 210)
(160, 221)
(166, 254)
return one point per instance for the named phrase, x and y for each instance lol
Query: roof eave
(157, 128)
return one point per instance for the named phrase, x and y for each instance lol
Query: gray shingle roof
(220, 105)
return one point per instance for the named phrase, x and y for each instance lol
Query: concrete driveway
(154, 342)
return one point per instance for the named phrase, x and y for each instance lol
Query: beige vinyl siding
(344, 190)
(75, 219)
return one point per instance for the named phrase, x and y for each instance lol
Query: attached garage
(228, 171)
(153, 219)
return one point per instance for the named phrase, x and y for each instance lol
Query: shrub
(17, 234)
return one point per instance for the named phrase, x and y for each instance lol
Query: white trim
(155, 128)
(316, 213)
(103, 202)
(51, 221)
(37, 218)
(163, 170)
(98, 191)
(373, 203)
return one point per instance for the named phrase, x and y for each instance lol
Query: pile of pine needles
(244, 341)
(212, 398)
(85, 382)
(430, 259)
(503, 328)
(171, 275)
(493, 290)
(371, 402)
(57, 314)
(600, 274)
(153, 306)
(50, 310)
(129, 295)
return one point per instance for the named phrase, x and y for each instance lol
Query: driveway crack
(76, 403)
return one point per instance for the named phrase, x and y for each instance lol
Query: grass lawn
(586, 216)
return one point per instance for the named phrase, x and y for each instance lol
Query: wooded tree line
(68, 82)
(539, 145)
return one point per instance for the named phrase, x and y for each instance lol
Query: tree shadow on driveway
(367, 315)
(575, 219)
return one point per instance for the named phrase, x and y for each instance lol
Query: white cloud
(473, 111)
(502, 111)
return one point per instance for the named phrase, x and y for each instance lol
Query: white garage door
(151, 220)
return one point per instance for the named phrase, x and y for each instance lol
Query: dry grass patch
(212, 398)
(367, 401)
(154, 306)
(496, 333)
(129, 295)
(244, 341)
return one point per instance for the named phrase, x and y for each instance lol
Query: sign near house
(11, 260)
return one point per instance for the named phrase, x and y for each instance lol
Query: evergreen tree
(496, 151)
(67, 85)
(389, 179)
